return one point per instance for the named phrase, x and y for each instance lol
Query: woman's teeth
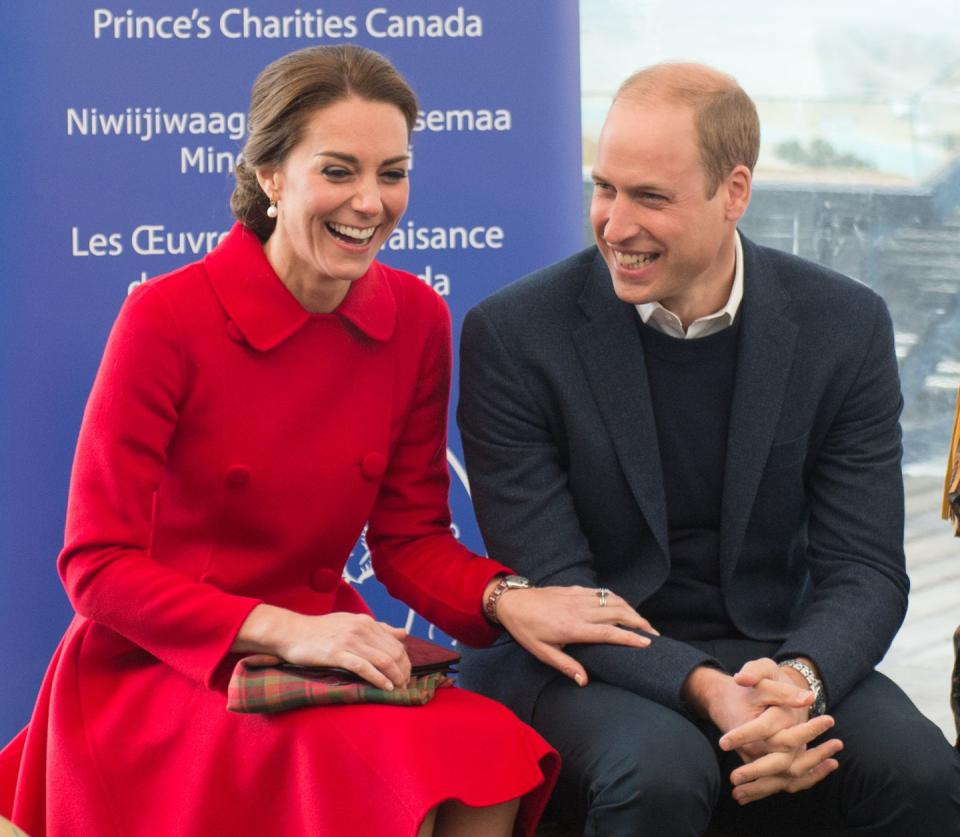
(360, 234)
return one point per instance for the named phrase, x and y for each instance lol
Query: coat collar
(266, 313)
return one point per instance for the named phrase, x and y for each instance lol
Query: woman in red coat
(252, 411)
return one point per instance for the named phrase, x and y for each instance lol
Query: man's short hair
(725, 117)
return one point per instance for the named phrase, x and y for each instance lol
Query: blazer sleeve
(527, 513)
(413, 551)
(121, 456)
(855, 529)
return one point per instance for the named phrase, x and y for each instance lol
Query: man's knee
(630, 766)
(904, 782)
(676, 783)
(897, 771)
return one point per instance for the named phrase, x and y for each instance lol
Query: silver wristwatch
(506, 582)
(814, 682)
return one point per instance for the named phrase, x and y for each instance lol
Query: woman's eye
(335, 172)
(394, 175)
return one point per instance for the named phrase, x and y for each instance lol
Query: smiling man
(709, 429)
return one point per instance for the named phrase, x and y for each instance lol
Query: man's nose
(621, 222)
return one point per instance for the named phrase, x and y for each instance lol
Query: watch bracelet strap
(819, 706)
(490, 605)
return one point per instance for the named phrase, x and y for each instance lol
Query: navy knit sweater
(691, 384)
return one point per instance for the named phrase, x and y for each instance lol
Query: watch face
(517, 582)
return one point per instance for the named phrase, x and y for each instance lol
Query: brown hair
(725, 117)
(284, 96)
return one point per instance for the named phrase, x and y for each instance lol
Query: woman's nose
(366, 200)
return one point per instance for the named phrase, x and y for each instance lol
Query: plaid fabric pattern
(260, 684)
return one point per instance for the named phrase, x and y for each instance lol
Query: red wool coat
(231, 451)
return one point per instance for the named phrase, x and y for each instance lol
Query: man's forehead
(646, 145)
(657, 130)
(641, 107)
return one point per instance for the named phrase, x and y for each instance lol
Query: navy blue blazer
(561, 451)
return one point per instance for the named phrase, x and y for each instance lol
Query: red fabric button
(324, 580)
(236, 476)
(233, 332)
(373, 465)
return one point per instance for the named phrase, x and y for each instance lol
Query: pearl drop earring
(272, 210)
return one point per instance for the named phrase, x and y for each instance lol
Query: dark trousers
(632, 767)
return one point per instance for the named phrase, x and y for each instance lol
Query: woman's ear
(269, 180)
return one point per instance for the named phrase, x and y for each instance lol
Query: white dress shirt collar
(655, 315)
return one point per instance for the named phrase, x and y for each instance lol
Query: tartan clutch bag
(264, 683)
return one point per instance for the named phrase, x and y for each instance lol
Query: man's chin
(632, 292)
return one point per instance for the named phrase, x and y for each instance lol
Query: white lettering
(207, 160)
(154, 240)
(379, 23)
(145, 123)
(98, 244)
(237, 23)
(464, 119)
(440, 282)
(411, 237)
(136, 283)
(145, 27)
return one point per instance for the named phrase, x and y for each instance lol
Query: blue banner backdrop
(124, 122)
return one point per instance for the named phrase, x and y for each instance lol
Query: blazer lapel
(611, 352)
(764, 358)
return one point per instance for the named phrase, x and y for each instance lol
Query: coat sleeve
(121, 456)
(413, 550)
(527, 512)
(855, 529)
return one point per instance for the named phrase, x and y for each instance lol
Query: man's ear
(737, 186)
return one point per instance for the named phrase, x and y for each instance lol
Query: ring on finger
(603, 592)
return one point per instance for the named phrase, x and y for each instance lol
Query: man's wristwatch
(814, 682)
(506, 582)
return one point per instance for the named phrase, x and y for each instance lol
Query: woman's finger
(636, 620)
(377, 644)
(395, 667)
(618, 610)
(362, 667)
(562, 662)
(399, 633)
(614, 635)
